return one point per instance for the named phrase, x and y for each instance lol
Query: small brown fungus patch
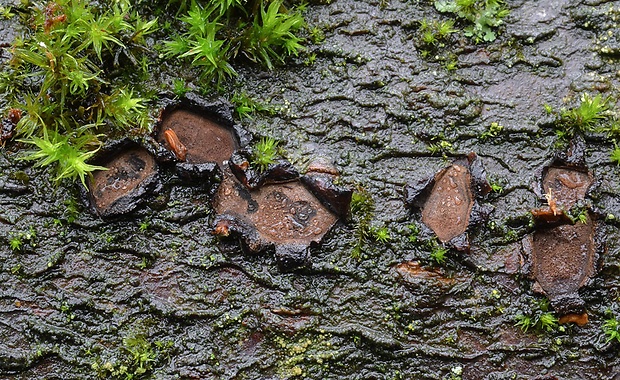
(126, 172)
(285, 213)
(563, 259)
(195, 138)
(563, 254)
(578, 319)
(566, 186)
(448, 207)
(412, 272)
(7, 126)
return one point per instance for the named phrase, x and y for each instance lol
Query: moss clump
(362, 212)
(65, 76)
(593, 115)
(217, 32)
(540, 318)
(483, 16)
(264, 153)
(137, 360)
(584, 118)
(76, 73)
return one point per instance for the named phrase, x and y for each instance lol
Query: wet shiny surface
(203, 139)
(449, 204)
(567, 186)
(126, 172)
(285, 213)
(564, 258)
(375, 105)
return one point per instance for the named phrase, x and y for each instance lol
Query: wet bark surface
(79, 285)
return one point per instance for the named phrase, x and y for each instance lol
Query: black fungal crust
(236, 228)
(368, 96)
(417, 195)
(277, 172)
(288, 256)
(336, 198)
(204, 174)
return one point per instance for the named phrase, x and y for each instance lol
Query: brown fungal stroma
(448, 201)
(196, 138)
(122, 182)
(566, 185)
(281, 213)
(563, 259)
(449, 204)
(277, 208)
(563, 254)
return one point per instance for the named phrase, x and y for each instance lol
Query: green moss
(305, 356)
(264, 153)
(69, 158)
(202, 44)
(179, 87)
(71, 211)
(362, 211)
(63, 76)
(440, 146)
(585, 117)
(272, 35)
(541, 319)
(137, 360)
(362, 204)
(17, 240)
(494, 130)
(144, 225)
(578, 214)
(483, 16)
(593, 115)
(6, 13)
(317, 35)
(611, 328)
(438, 252)
(246, 107)
(15, 243)
(381, 234)
(413, 231)
(547, 322)
(615, 155)
(216, 33)
(435, 33)
(497, 188)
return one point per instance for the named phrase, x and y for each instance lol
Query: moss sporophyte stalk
(72, 75)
